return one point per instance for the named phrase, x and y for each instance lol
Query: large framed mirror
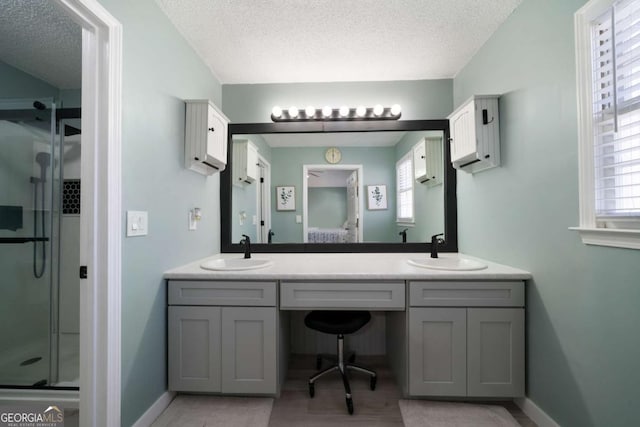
(351, 186)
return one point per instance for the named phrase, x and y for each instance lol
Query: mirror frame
(450, 200)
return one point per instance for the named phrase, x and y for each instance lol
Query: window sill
(405, 224)
(629, 239)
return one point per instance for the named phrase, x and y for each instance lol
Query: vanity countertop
(343, 266)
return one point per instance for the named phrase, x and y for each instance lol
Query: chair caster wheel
(372, 383)
(312, 390)
(318, 363)
(349, 405)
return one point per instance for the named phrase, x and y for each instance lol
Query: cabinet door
(252, 162)
(194, 348)
(216, 135)
(495, 351)
(249, 350)
(437, 352)
(463, 134)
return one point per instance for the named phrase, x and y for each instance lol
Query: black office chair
(339, 323)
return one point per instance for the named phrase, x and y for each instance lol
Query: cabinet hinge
(83, 271)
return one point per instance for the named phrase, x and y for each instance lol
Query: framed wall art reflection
(286, 198)
(376, 197)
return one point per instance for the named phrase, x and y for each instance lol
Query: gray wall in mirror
(327, 204)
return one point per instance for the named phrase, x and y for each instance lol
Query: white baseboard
(534, 412)
(155, 410)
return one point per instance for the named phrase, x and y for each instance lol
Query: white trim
(155, 410)
(100, 236)
(534, 412)
(614, 237)
(590, 233)
(305, 196)
(262, 233)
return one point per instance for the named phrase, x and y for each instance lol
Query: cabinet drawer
(466, 294)
(342, 295)
(206, 292)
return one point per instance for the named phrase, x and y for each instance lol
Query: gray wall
(244, 198)
(327, 206)
(420, 99)
(159, 71)
(583, 303)
(378, 168)
(18, 84)
(428, 201)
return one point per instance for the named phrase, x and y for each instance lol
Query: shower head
(43, 159)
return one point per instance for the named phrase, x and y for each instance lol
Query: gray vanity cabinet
(249, 350)
(194, 348)
(222, 337)
(466, 339)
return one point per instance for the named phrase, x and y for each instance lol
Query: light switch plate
(137, 223)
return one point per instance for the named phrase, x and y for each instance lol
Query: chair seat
(337, 322)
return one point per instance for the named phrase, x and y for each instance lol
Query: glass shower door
(26, 179)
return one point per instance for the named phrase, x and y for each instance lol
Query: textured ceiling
(278, 41)
(39, 39)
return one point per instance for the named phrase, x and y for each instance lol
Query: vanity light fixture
(327, 113)
(310, 111)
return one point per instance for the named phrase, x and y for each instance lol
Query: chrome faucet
(435, 241)
(403, 233)
(246, 242)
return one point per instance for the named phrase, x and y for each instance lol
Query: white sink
(448, 263)
(236, 264)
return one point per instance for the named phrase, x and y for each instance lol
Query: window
(608, 72)
(404, 189)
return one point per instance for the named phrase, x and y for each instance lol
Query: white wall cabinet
(475, 134)
(226, 348)
(206, 130)
(245, 162)
(474, 351)
(428, 163)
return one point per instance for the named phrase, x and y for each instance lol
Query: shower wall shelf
(23, 239)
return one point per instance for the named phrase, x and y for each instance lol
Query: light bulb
(327, 111)
(310, 111)
(276, 112)
(361, 111)
(378, 110)
(344, 111)
(395, 110)
(293, 112)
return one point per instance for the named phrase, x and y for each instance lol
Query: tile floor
(377, 408)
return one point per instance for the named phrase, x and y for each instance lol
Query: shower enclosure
(39, 244)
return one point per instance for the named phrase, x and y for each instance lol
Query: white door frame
(100, 229)
(305, 196)
(262, 232)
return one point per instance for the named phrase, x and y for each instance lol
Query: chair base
(342, 367)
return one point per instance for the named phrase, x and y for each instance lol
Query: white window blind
(616, 111)
(404, 190)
